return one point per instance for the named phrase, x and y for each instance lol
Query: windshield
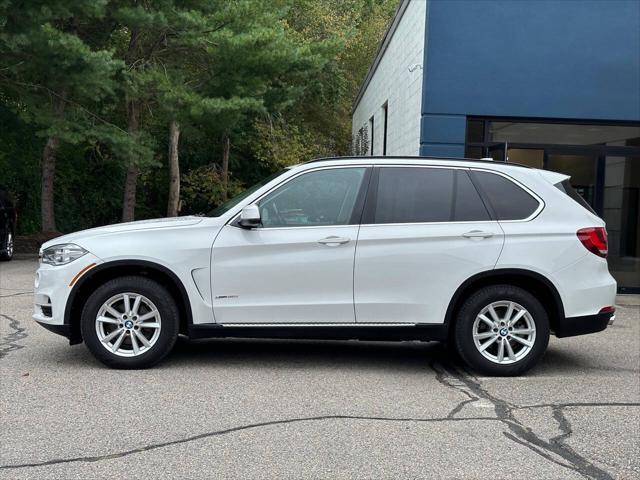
(229, 204)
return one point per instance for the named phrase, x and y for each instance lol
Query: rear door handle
(334, 241)
(477, 234)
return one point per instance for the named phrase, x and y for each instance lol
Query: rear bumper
(573, 326)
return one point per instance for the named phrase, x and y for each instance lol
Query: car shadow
(334, 354)
(308, 354)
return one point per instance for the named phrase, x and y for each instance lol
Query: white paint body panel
(181, 245)
(52, 288)
(283, 275)
(407, 273)
(403, 274)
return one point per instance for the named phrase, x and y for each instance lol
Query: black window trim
(358, 206)
(385, 111)
(487, 201)
(368, 215)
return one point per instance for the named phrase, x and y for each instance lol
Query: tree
(53, 63)
(210, 62)
(147, 93)
(174, 170)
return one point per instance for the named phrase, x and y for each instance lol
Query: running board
(324, 331)
(316, 325)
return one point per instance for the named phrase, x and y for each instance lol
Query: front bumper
(573, 326)
(53, 285)
(64, 330)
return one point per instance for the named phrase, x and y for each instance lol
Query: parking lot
(312, 409)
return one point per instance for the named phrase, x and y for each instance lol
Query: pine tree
(54, 68)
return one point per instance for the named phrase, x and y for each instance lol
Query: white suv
(490, 257)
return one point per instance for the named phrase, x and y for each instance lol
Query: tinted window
(468, 205)
(410, 195)
(323, 197)
(509, 201)
(567, 188)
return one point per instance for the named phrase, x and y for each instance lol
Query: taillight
(594, 239)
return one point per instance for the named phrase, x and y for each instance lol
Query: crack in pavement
(541, 450)
(216, 433)
(8, 342)
(519, 432)
(460, 406)
(577, 404)
(553, 450)
(16, 294)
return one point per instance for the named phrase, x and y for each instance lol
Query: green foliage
(279, 144)
(277, 77)
(202, 189)
(47, 64)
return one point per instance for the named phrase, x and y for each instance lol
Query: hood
(152, 224)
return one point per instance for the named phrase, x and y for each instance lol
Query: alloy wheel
(128, 324)
(9, 245)
(504, 332)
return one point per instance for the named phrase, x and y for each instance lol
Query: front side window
(509, 201)
(323, 197)
(417, 195)
(229, 204)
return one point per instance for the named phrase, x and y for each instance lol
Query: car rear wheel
(501, 330)
(7, 250)
(130, 322)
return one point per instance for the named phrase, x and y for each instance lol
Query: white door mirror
(250, 216)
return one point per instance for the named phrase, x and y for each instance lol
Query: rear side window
(416, 195)
(567, 188)
(509, 201)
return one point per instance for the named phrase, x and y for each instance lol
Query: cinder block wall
(392, 82)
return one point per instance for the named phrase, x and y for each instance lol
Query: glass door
(621, 211)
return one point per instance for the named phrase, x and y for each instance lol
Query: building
(551, 84)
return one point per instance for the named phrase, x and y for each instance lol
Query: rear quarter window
(566, 187)
(508, 200)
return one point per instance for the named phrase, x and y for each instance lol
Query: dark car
(8, 218)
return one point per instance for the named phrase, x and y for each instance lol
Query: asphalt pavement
(312, 409)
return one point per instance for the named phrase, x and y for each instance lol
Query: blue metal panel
(442, 128)
(535, 58)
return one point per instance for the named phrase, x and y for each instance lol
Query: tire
(128, 333)
(6, 253)
(505, 353)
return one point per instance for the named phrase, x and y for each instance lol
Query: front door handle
(334, 241)
(477, 234)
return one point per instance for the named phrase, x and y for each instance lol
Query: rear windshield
(567, 188)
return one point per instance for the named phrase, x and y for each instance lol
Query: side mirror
(250, 217)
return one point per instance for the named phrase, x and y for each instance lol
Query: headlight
(62, 254)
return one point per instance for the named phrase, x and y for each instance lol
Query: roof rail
(413, 157)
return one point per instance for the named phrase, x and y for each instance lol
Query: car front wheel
(501, 330)
(130, 322)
